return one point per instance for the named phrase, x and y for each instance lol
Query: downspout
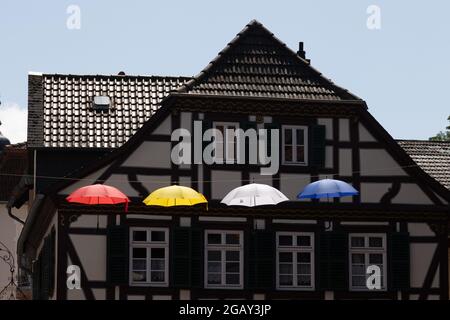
(34, 174)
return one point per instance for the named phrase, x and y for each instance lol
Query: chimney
(300, 51)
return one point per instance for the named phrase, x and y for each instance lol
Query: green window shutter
(197, 258)
(317, 145)
(333, 261)
(269, 127)
(45, 269)
(36, 279)
(118, 253)
(399, 261)
(180, 257)
(262, 260)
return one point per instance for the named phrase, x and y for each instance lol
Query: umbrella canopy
(174, 196)
(254, 194)
(327, 188)
(98, 194)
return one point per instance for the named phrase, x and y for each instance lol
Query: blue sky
(401, 70)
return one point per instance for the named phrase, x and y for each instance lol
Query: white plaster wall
(257, 178)
(99, 294)
(364, 134)
(186, 120)
(410, 193)
(120, 181)
(90, 221)
(151, 154)
(329, 157)
(88, 180)
(377, 162)
(224, 182)
(154, 182)
(372, 192)
(292, 184)
(165, 127)
(185, 181)
(91, 250)
(344, 130)
(420, 259)
(345, 162)
(9, 234)
(420, 230)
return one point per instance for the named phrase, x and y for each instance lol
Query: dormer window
(101, 103)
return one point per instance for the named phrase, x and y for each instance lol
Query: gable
(257, 64)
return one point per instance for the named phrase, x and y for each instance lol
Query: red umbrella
(98, 194)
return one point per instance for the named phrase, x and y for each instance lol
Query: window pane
(375, 258)
(300, 136)
(304, 281)
(232, 238)
(214, 255)
(303, 268)
(357, 242)
(214, 238)
(139, 253)
(375, 242)
(358, 269)
(285, 268)
(158, 236)
(214, 278)
(232, 267)
(300, 154)
(358, 281)
(140, 235)
(215, 267)
(139, 264)
(158, 253)
(157, 276)
(232, 279)
(303, 257)
(139, 276)
(287, 136)
(285, 280)
(232, 255)
(157, 265)
(358, 258)
(304, 241)
(285, 257)
(288, 153)
(285, 240)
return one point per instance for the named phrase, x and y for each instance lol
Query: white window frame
(149, 245)
(366, 250)
(225, 142)
(295, 249)
(223, 248)
(294, 161)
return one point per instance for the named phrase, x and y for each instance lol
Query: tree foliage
(443, 135)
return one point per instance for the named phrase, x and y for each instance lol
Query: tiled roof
(13, 164)
(65, 117)
(432, 156)
(257, 64)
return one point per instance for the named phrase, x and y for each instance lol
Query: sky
(400, 69)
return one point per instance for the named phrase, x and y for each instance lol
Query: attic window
(101, 103)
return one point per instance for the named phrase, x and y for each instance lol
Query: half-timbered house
(299, 249)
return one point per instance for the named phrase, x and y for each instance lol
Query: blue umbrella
(327, 188)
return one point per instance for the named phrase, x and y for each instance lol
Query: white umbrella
(254, 194)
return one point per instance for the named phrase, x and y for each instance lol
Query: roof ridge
(113, 76)
(252, 24)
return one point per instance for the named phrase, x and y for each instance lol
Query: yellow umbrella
(174, 196)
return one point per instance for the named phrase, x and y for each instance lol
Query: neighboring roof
(13, 163)
(432, 156)
(61, 115)
(257, 64)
